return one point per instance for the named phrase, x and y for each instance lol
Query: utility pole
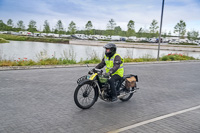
(160, 29)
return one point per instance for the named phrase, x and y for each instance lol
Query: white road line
(153, 120)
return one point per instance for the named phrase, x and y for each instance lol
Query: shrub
(164, 58)
(172, 57)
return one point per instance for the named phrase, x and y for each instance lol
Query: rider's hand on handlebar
(107, 74)
(91, 71)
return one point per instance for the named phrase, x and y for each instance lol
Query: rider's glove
(107, 74)
(91, 71)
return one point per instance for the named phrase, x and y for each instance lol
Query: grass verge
(92, 60)
(184, 44)
(2, 40)
(33, 39)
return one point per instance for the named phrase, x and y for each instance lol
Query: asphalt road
(41, 101)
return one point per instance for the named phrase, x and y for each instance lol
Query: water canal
(37, 50)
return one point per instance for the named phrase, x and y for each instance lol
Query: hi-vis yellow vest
(110, 64)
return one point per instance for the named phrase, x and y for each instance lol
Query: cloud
(101, 11)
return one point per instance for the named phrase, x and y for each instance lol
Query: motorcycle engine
(106, 91)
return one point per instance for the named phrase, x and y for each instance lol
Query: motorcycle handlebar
(98, 70)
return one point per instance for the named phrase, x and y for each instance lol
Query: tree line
(111, 29)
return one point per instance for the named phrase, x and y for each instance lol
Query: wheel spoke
(90, 97)
(82, 90)
(123, 92)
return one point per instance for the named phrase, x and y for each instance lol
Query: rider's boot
(114, 97)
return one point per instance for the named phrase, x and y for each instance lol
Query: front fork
(100, 93)
(98, 90)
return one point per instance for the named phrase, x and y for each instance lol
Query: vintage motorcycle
(90, 87)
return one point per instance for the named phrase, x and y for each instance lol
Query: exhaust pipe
(120, 96)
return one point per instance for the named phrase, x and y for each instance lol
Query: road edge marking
(154, 119)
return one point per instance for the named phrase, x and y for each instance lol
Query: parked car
(115, 38)
(132, 38)
(152, 40)
(123, 38)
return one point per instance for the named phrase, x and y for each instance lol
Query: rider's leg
(112, 81)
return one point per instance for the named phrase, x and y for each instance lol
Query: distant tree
(122, 33)
(131, 28)
(59, 27)
(165, 35)
(169, 34)
(46, 27)
(110, 27)
(111, 24)
(193, 35)
(72, 28)
(117, 30)
(10, 22)
(2, 26)
(93, 31)
(55, 31)
(20, 24)
(88, 27)
(157, 34)
(32, 26)
(153, 27)
(180, 28)
(140, 32)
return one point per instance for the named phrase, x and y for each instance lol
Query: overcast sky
(101, 11)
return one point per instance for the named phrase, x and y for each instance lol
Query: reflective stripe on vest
(110, 64)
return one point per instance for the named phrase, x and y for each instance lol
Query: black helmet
(112, 48)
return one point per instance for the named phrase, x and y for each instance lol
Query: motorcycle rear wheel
(127, 96)
(85, 96)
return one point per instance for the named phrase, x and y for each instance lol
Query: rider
(114, 67)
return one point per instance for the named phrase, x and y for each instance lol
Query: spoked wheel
(85, 96)
(126, 94)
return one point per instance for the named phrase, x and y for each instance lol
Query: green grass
(48, 61)
(145, 58)
(92, 60)
(2, 40)
(183, 44)
(34, 39)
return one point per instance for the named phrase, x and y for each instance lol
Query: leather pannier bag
(130, 82)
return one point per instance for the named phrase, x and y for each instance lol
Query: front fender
(85, 81)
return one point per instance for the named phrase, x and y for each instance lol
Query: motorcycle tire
(85, 96)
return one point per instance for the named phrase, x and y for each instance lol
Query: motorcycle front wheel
(85, 96)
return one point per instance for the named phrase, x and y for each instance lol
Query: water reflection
(19, 49)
